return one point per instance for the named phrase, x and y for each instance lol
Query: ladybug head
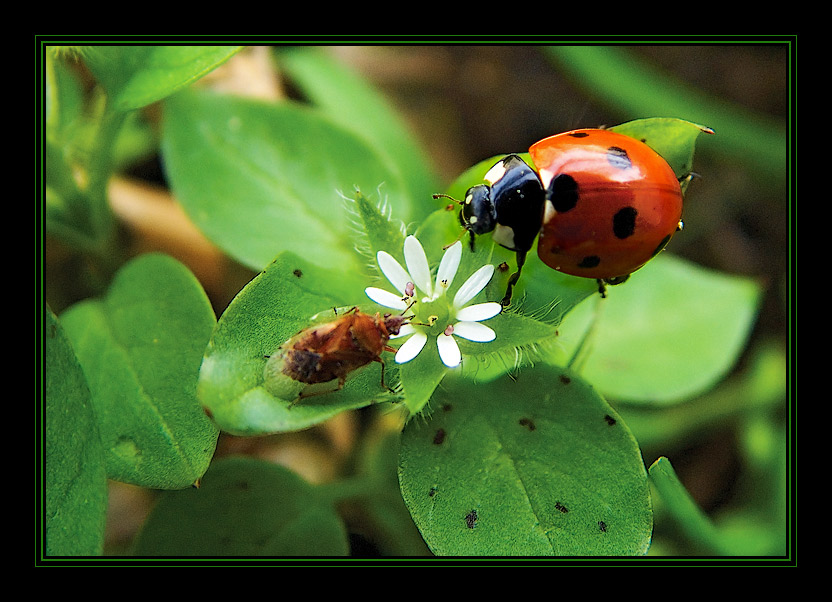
(478, 215)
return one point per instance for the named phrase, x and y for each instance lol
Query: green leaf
(681, 506)
(375, 226)
(534, 465)
(355, 104)
(136, 76)
(274, 306)
(244, 507)
(668, 333)
(75, 477)
(140, 347)
(258, 179)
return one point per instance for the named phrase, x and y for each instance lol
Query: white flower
(433, 313)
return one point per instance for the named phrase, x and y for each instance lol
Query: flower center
(434, 315)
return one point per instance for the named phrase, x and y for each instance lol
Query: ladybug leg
(521, 259)
(602, 283)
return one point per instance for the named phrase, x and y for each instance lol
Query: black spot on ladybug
(610, 420)
(565, 379)
(563, 192)
(624, 222)
(297, 273)
(661, 246)
(590, 261)
(602, 526)
(579, 134)
(527, 423)
(439, 437)
(618, 158)
(471, 519)
(561, 508)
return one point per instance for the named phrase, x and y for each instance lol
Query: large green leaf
(135, 76)
(258, 178)
(534, 465)
(668, 333)
(353, 103)
(140, 347)
(244, 507)
(75, 478)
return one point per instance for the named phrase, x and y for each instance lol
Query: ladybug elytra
(602, 203)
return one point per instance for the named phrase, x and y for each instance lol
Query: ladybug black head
(478, 214)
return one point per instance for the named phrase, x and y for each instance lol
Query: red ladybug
(602, 203)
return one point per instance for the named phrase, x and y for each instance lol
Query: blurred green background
(465, 103)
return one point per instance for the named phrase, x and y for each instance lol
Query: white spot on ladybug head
(495, 173)
(468, 198)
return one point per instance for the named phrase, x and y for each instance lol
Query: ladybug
(602, 203)
(330, 351)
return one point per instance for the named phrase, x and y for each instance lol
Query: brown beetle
(331, 351)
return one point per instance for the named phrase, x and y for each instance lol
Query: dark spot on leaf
(432, 492)
(471, 519)
(503, 267)
(447, 407)
(439, 437)
(561, 508)
(298, 273)
(208, 412)
(527, 422)
(565, 379)
(243, 485)
(610, 420)
(603, 526)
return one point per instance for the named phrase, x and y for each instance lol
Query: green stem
(584, 347)
(100, 169)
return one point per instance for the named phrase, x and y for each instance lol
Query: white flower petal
(404, 331)
(479, 312)
(447, 267)
(411, 347)
(474, 331)
(475, 283)
(417, 264)
(385, 298)
(393, 271)
(448, 350)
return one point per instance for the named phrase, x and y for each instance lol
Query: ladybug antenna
(440, 195)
